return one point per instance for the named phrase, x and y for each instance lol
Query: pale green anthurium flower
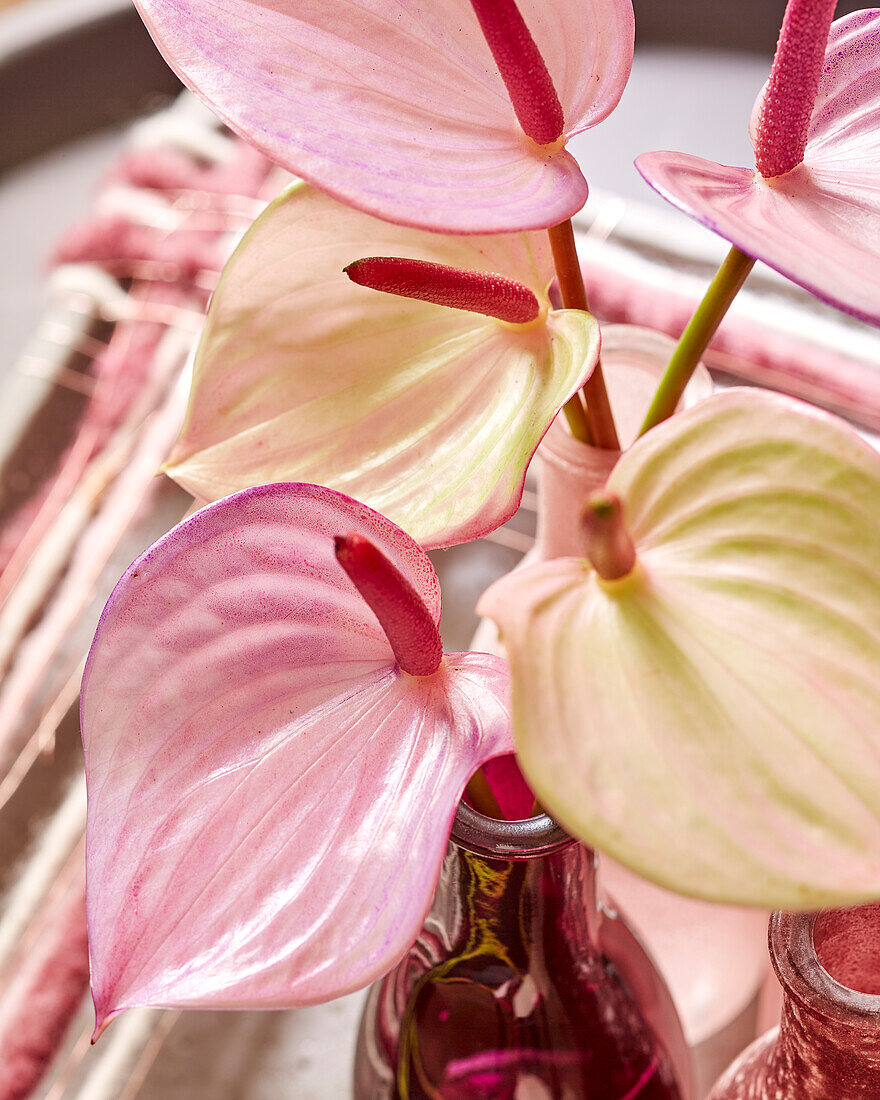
(712, 719)
(428, 414)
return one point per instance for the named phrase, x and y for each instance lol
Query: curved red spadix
(819, 223)
(408, 624)
(474, 291)
(523, 70)
(786, 106)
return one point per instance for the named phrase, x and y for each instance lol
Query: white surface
(38, 202)
(303, 1055)
(692, 101)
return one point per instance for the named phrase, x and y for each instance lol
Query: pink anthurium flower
(450, 115)
(811, 209)
(699, 696)
(428, 413)
(274, 754)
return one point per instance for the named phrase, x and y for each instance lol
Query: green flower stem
(599, 420)
(695, 338)
(576, 415)
(481, 797)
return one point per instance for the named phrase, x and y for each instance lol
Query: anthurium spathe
(707, 711)
(270, 790)
(810, 210)
(419, 113)
(427, 413)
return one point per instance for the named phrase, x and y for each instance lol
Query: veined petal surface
(269, 796)
(713, 720)
(400, 109)
(819, 224)
(428, 414)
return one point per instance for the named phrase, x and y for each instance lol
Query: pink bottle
(520, 985)
(828, 1044)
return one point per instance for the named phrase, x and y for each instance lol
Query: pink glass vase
(509, 992)
(827, 1046)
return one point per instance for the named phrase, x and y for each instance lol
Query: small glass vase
(633, 361)
(509, 993)
(828, 1043)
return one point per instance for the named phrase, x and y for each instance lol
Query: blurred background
(71, 69)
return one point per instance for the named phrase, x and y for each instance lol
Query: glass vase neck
(508, 988)
(633, 360)
(569, 471)
(829, 1036)
(560, 878)
(492, 838)
(828, 1041)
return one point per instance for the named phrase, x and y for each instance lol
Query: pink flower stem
(597, 426)
(695, 338)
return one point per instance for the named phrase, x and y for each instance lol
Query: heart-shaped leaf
(426, 413)
(402, 111)
(820, 223)
(270, 797)
(712, 720)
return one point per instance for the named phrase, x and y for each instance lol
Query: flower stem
(481, 796)
(695, 338)
(576, 415)
(599, 420)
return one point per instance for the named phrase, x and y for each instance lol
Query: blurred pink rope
(744, 349)
(177, 259)
(43, 986)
